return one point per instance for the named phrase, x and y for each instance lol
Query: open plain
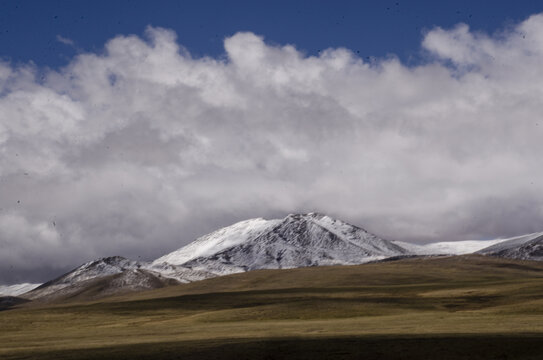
(457, 307)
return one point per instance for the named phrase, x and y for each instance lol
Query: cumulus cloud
(140, 148)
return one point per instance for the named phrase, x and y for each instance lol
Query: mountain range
(298, 240)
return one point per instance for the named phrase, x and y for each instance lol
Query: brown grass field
(464, 307)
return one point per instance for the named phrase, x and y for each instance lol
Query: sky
(133, 128)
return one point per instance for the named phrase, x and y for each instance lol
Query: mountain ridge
(298, 240)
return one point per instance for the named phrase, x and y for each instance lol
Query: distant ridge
(526, 247)
(110, 276)
(298, 240)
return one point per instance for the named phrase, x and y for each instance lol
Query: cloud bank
(141, 148)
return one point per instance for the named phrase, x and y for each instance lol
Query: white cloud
(65, 41)
(141, 148)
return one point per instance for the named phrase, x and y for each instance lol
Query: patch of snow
(179, 273)
(525, 247)
(17, 289)
(219, 240)
(88, 271)
(98, 268)
(448, 247)
(356, 236)
(511, 243)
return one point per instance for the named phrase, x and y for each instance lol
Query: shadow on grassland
(448, 347)
(7, 302)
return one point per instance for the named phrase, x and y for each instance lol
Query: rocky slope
(526, 247)
(113, 275)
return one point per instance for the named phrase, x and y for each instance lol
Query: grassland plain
(463, 307)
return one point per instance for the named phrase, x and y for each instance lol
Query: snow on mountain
(96, 268)
(296, 241)
(17, 289)
(122, 275)
(127, 281)
(449, 247)
(88, 271)
(525, 247)
(179, 273)
(219, 240)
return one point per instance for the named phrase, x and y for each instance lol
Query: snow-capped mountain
(97, 268)
(84, 273)
(116, 274)
(17, 289)
(525, 247)
(219, 240)
(296, 241)
(449, 247)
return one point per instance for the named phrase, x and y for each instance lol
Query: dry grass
(461, 304)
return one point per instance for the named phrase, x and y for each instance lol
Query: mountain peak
(299, 216)
(116, 259)
(297, 240)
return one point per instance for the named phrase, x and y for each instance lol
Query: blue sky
(29, 29)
